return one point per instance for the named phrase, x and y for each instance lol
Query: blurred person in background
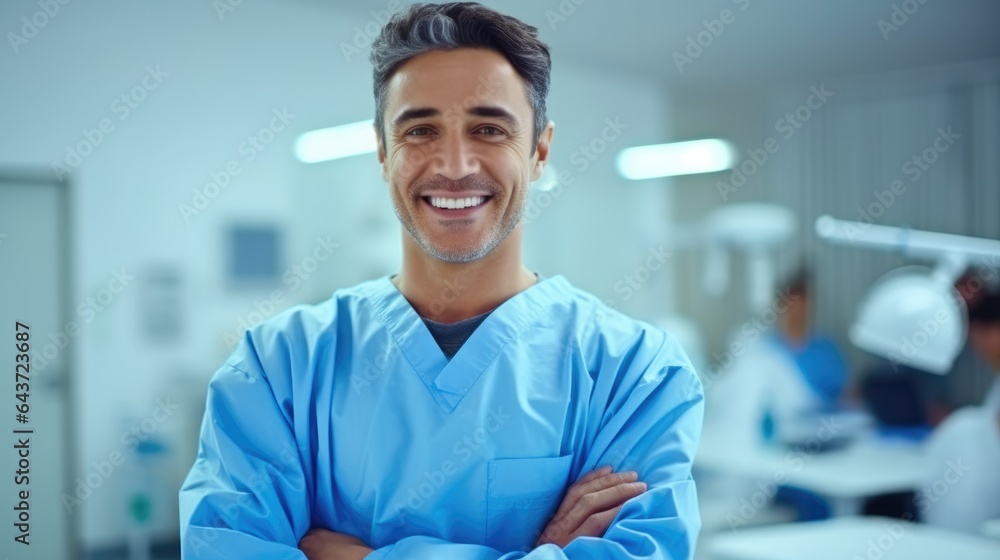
(784, 374)
(464, 408)
(822, 374)
(783, 380)
(813, 386)
(962, 490)
(979, 291)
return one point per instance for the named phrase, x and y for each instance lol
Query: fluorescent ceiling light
(677, 158)
(336, 142)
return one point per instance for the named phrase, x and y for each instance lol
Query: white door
(34, 292)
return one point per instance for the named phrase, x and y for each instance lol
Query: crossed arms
(245, 468)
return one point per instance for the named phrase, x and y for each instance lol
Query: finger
(605, 481)
(597, 524)
(582, 488)
(602, 500)
(594, 526)
(595, 474)
(594, 484)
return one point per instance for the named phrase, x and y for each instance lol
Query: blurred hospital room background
(806, 194)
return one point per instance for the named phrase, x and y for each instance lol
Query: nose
(455, 158)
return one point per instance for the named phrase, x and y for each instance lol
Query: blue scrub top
(346, 415)
(820, 364)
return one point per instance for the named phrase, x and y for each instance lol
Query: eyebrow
(479, 111)
(413, 114)
(496, 112)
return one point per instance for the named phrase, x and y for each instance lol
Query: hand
(321, 544)
(591, 505)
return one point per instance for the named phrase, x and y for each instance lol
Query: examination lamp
(912, 315)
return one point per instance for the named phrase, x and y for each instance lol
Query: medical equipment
(914, 315)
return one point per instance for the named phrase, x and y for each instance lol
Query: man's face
(458, 134)
(797, 313)
(985, 338)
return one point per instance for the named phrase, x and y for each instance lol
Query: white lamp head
(912, 317)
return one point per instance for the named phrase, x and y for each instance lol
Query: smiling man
(464, 408)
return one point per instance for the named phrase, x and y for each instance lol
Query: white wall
(224, 79)
(601, 228)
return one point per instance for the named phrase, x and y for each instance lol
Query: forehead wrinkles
(418, 84)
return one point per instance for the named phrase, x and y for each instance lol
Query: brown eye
(491, 130)
(419, 131)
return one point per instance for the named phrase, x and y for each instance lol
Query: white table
(845, 477)
(850, 538)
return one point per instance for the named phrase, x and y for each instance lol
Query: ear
(541, 157)
(380, 151)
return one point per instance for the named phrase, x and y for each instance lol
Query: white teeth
(456, 203)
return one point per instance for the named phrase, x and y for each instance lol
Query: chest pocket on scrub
(522, 495)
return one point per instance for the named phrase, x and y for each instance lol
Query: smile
(448, 203)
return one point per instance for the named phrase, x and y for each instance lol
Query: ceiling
(770, 41)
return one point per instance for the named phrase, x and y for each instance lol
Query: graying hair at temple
(428, 27)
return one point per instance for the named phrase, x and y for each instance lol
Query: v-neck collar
(449, 381)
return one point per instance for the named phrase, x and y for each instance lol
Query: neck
(796, 334)
(449, 292)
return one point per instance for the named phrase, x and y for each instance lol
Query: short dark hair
(981, 296)
(986, 311)
(798, 282)
(428, 27)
